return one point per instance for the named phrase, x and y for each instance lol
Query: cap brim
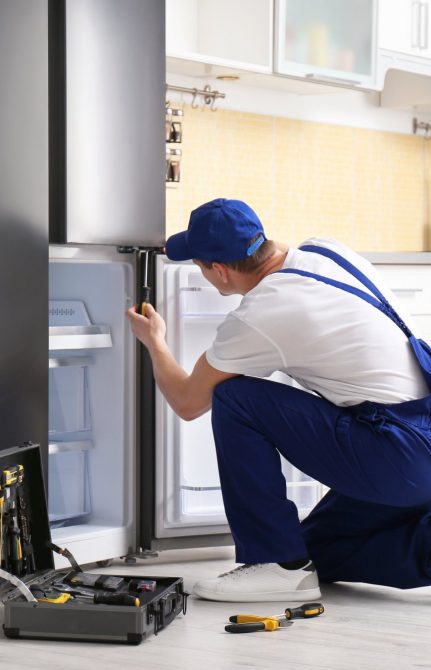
(177, 248)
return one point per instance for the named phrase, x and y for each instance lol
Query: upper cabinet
(404, 54)
(304, 46)
(404, 26)
(232, 33)
(327, 40)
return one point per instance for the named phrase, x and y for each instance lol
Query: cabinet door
(425, 29)
(400, 25)
(237, 33)
(326, 38)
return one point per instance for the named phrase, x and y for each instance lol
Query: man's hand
(189, 395)
(150, 329)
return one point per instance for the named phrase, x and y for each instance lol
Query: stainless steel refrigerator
(123, 471)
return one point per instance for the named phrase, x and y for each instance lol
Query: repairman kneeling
(321, 314)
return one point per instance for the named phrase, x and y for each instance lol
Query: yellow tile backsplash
(367, 188)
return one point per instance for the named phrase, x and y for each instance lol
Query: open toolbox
(43, 603)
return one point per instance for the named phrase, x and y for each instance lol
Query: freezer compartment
(91, 487)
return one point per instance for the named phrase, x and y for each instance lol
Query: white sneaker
(262, 581)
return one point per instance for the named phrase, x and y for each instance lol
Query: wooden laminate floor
(363, 627)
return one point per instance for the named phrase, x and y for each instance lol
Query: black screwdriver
(116, 599)
(100, 598)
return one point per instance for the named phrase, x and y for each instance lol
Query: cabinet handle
(330, 78)
(423, 23)
(415, 24)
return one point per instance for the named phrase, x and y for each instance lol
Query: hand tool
(145, 289)
(29, 563)
(248, 623)
(60, 586)
(106, 582)
(66, 553)
(101, 597)
(306, 611)
(46, 597)
(11, 477)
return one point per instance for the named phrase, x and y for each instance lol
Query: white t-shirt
(329, 341)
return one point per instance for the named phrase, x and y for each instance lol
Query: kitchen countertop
(399, 257)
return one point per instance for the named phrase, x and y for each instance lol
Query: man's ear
(222, 272)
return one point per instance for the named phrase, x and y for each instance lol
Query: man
(321, 315)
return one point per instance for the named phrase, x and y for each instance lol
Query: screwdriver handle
(306, 611)
(116, 599)
(144, 299)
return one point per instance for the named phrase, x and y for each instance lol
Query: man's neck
(273, 264)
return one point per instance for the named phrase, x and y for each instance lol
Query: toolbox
(69, 604)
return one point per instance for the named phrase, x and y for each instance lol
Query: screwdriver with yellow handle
(144, 298)
(249, 623)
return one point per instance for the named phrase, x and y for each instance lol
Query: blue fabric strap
(421, 350)
(381, 303)
(346, 265)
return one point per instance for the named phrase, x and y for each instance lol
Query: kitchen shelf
(79, 337)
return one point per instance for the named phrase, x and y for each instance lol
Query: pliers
(249, 623)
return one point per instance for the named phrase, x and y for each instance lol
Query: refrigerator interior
(188, 493)
(91, 461)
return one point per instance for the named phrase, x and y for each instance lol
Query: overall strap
(421, 350)
(379, 301)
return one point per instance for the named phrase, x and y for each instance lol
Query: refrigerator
(126, 476)
(124, 470)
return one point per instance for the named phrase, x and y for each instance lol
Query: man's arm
(189, 396)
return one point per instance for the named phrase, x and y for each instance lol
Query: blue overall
(374, 525)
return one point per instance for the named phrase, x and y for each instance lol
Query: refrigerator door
(23, 222)
(115, 121)
(92, 417)
(188, 493)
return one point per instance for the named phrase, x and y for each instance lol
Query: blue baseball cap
(219, 231)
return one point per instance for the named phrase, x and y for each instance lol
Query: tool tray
(75, 619)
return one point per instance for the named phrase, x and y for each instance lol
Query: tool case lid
(29, 456)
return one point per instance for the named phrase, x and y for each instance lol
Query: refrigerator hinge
(127, 250)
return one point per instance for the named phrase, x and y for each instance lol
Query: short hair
(250, 264)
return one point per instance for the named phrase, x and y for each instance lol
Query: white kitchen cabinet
(234, 33)
(330, 40)
(411, 285)
(404, 27)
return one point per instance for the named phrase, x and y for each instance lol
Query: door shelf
(67, 338)
(69, 488)
(60, 447)
(71, 361)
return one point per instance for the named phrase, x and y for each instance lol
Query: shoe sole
(306, 595)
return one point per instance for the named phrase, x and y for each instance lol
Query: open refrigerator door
(92, 474)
